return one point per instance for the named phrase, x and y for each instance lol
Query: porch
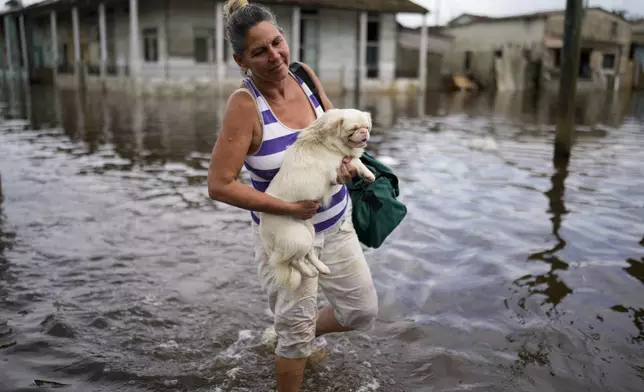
(179, 46)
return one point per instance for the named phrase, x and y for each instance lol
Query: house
(154, 45)
(637, 54)
(524, 51)
(408, 54)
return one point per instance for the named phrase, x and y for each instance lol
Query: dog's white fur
(309, 172)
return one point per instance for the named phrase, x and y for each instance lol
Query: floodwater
(117, 273)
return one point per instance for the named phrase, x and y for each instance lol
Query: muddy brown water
(117, 273)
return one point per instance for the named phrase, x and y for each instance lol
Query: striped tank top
(266, 162)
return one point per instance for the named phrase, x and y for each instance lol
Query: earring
(245, 71)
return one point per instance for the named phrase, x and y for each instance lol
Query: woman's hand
(346, 171)
(304, 209)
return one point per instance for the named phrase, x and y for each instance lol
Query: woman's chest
(295, 112)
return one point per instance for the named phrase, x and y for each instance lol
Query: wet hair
(240, 17)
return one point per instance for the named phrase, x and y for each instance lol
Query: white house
(179, 44)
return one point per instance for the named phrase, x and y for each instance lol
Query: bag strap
(298, 70)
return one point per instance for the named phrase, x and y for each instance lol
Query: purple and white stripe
(265, 163)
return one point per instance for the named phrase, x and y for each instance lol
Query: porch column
(7, 37)
(362, 50)
(102, 30)
(54, 42)
(135, 61)
(422, 63)
(618, 69)
(77, 53)
(220, 42)
(23, 46)
(295, 33)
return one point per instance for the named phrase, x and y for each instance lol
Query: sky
(449, 9)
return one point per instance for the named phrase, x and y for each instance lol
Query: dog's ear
(338, 126)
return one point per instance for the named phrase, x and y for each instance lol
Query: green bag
(376, 210)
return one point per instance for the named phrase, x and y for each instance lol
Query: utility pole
(568, 79)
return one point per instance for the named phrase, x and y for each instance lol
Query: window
(556, 57)
(373, 45)
(585, 72)
(204, 45)
(608, 61)
(310, 38)
(613, 29)
(63, 55)
(150, 45)
(468, 61)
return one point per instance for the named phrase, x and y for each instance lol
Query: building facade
(438, 43)
(524, 51)
(637, 54)
(179, 44)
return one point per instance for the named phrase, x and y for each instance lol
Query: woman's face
(267, 54)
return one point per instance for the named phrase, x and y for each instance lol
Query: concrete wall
(338, 49)
(338, 67)
(490, 36)
(175, 26)
(388, 40)
(597, 26)
(482, 39)
(410, 39)
(605, 33)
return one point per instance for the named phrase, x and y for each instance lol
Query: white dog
(309, 172)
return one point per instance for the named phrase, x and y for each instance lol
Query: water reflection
(7, 238)
(636, 270)
(637, 315)
(550, 284)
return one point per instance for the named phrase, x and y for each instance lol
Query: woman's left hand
(346, 171)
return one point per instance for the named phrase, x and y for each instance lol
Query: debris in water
(49, 384)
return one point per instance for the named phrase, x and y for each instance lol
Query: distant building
(637, 54)
(408, 54)
(524, 51)
(179, 44)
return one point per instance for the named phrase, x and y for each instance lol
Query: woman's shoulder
(241, 110)
(240, 100)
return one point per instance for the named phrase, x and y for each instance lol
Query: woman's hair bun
(233, 5)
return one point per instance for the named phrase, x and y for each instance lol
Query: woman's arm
(231, 147)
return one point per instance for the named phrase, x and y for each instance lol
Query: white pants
(349, 288)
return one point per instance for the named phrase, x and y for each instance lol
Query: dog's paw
(323, 269)
(369, 177)
(305, 268)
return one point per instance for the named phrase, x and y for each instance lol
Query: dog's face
(351, 127)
